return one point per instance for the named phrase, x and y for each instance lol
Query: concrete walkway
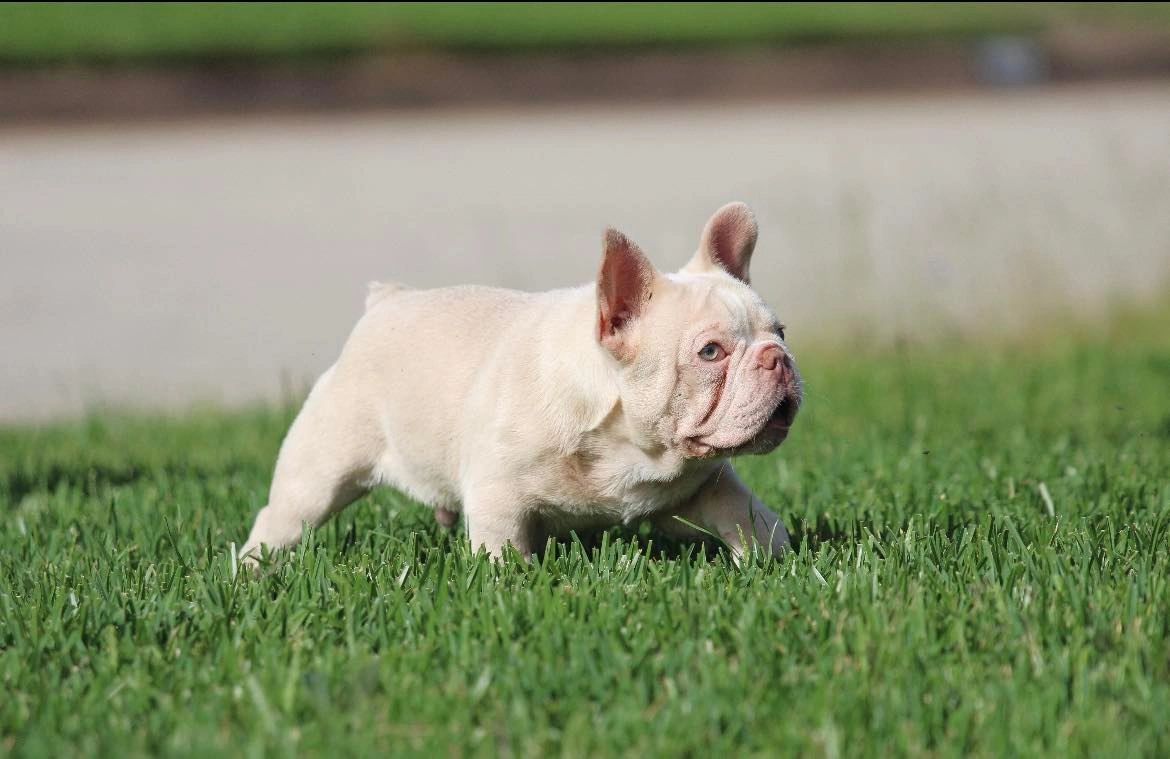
(160, 265)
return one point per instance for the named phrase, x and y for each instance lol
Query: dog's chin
(766, 439)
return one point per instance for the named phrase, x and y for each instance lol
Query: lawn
(981, 567)
(37, 34)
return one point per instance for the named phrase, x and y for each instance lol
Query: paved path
(159, 265)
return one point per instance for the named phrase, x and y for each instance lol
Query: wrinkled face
(712, 376)
(705, 371)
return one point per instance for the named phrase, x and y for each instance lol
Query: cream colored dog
(536, 414)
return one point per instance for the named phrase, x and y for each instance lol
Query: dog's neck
(588, 403)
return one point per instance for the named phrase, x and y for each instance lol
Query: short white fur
(535, 414)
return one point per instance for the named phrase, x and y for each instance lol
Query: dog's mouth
(770, 435)
(775, 430)
(783, 417)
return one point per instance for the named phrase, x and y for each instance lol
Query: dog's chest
(622, 487)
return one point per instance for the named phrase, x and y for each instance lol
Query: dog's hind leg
(323, 466)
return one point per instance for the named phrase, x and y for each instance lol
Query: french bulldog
(533, 414)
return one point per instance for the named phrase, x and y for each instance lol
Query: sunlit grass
(937, 602)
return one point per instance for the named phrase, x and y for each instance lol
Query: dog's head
(704, 367)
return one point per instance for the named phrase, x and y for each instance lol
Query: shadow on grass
(651, 543)
(21, 483)
(413, 522)
(654, 545)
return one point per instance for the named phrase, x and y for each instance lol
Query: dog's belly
(425, 481)
(410, 362)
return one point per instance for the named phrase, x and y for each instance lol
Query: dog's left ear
(727, 242)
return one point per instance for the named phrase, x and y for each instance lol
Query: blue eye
(711, 352)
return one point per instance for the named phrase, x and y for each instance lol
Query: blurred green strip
(34, 34)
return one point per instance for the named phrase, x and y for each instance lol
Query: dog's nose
(773, 358)
(787, 370)
(769, 358)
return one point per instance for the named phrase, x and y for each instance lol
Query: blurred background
(193, 196)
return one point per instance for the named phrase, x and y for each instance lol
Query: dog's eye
(711, 352)
(779, 329)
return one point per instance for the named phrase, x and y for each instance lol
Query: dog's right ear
(623, 289)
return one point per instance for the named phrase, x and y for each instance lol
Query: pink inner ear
(623, 285)
(730, 238)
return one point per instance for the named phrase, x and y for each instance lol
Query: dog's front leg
(497, 517)
(725, 507)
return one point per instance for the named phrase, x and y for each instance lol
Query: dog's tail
(376, 292)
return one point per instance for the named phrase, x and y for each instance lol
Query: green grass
(933, 604)
(152, 32)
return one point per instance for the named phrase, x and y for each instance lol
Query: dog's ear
(623, 290)
(727, 242)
